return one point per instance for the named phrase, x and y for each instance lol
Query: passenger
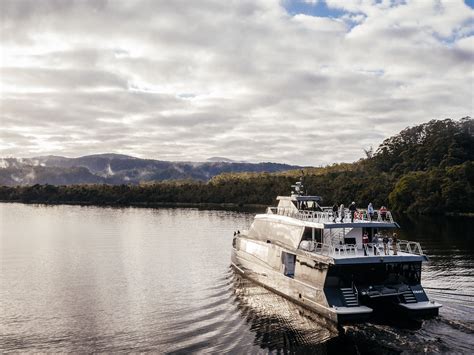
(365, 242)
(383, 212)
(370, 211)
(394, 243)
(385, 245)
(341, 212)
(375, 243)
(365, 238)
(334, 212)
(353, 210)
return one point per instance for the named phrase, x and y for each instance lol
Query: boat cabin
(300, 222)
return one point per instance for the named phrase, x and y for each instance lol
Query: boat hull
(310, 284)
(311, 296)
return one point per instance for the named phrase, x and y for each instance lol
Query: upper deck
(369, 253)
(326, 217)
(341, 236)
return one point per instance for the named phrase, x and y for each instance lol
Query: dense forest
(424, 169)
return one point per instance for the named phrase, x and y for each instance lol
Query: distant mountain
(223, 160)
(118, 169)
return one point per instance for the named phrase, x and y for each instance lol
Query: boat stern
(345, 315)
(426, 309)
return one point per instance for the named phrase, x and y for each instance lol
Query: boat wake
(280, 325)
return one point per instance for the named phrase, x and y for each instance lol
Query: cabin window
(308, 205)
(308, 234)
(375, 274)
(288, 261)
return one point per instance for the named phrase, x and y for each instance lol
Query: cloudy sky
(304, 82)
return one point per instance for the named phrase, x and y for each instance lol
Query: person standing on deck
(334, 212)
(394, 243)
(375, 243)
(365, 242)
(383, 213)
(370, 210)
(341, 212)
(352, 209)
(385, 245)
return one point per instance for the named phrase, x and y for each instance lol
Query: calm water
(83, 279)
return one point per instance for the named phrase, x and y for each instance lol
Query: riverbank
(408, 173)
(220, 206)
(257, 208)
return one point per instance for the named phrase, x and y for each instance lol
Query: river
(95, 279)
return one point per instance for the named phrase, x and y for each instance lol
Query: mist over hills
(424, 169)
(119, 169)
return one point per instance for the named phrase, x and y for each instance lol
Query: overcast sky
(304, 82)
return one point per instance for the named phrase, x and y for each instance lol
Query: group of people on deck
(339, 212)
(376, 242)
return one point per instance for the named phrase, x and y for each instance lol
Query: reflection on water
(282, 325)
(278, 323)
(84, 279)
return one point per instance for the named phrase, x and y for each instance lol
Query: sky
(306, 82)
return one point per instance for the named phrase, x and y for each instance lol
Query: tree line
(424, 169)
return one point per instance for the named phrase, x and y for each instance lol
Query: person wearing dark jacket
(385, 245)
(352, 209)
(334, 212)
(394, 243)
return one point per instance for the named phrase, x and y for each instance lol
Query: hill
(427, 168)
(117, 169)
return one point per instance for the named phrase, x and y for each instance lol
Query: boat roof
(360, 258)
(361, 224)
(326, 224)
(309, 198)
(300, 198)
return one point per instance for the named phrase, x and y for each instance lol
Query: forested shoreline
(425, 169)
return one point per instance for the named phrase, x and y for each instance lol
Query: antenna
(302, 179)
(298, 188)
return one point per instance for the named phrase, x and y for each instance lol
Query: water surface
(82, 279)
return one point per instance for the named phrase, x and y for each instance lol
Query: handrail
(351, 249)
(409, 247)
(327, 215)
(356, 291)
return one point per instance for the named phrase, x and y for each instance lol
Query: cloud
(248, 80)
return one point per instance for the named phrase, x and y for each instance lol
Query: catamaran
(340, 267)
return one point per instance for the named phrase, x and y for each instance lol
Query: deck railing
(327, 215)
(329, 249)
(371, 249)
(410, 247)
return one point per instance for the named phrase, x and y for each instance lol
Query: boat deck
(357, 223)
(346, 253)
(360, 257)
(331, 220)
(359, 253)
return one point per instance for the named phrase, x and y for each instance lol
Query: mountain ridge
(112, 168)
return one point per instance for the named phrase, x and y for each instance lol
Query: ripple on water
(136, 280)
